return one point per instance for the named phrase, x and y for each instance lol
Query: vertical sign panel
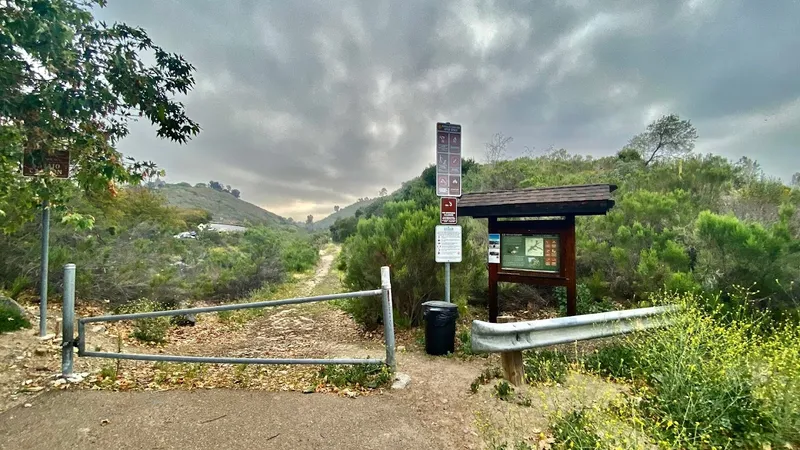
(448, 160)
(448, 243)
(494, 248)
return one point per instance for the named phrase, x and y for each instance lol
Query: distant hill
(224, 207)
(347, 211)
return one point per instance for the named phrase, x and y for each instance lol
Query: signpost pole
(56, 164)
(43, 269)
(447, 282)
(448, 187)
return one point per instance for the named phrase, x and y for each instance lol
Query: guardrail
(511, 338)
(508, 337)
(385, 292)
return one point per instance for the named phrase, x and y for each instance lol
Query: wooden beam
(569, 259)
(514, 277)
(513, 367)
(585, 208)
(544, 226)
(493, 270)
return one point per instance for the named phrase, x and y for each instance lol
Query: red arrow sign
(448, 211)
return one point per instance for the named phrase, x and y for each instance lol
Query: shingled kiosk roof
(580, 200)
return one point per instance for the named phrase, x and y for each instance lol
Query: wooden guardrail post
(513, 369)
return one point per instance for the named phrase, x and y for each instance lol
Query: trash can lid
(440, 304)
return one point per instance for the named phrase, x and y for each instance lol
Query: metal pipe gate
(69, 341)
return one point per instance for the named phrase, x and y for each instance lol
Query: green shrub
(737, 253)
(546, 366)
(485, 377)
(18, 285)
(403, 238)
(585, 303)
(150, 329)
(371, 376)
(234, 272)
(681, 283)
(11, 319)
(618, 361)
(503, 390)
(343, 228)
(701, 380)
(464, 341)
(299, 255)
(712, 379)
(574, 430)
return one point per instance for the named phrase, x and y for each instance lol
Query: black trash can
(440, 327)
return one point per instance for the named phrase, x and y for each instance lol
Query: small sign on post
(448, 211)
(448, 243)
(34, 162)
(448, 160)
(494, 248)
(37, 162)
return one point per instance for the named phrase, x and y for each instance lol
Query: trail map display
(530, 252)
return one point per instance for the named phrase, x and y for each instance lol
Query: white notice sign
(448, 243)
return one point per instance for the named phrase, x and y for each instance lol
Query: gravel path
(215, 419)
(434, 412)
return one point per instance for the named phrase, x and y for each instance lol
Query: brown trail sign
(35, 162)
(448, 211)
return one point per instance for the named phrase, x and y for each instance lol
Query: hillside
(224, 207)
(347, 211)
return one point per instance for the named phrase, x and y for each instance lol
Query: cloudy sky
(309, 104)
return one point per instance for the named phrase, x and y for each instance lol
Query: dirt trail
(437, 410)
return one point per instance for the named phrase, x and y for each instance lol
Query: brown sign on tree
(36, 162)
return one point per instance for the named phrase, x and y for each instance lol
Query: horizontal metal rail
(226, 360)
(514, 336)
(384, 292)
(237, 306)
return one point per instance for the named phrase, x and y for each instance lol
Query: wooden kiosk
(532, 234)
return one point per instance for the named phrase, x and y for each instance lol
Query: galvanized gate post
(68, 320)
(388, 317)
(44, 263)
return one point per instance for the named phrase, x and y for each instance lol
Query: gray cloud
(309, 104)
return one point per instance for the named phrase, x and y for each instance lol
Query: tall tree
(236, 193)
(336, 208)
(666, 138)
(496, 148)
(68, 82)
(309, 219)
(796, 179)
(749, 170)
(383, 192)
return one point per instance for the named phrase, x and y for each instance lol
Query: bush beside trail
(714, 379)
(127, 251)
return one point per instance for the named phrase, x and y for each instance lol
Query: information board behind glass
(539, 252)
